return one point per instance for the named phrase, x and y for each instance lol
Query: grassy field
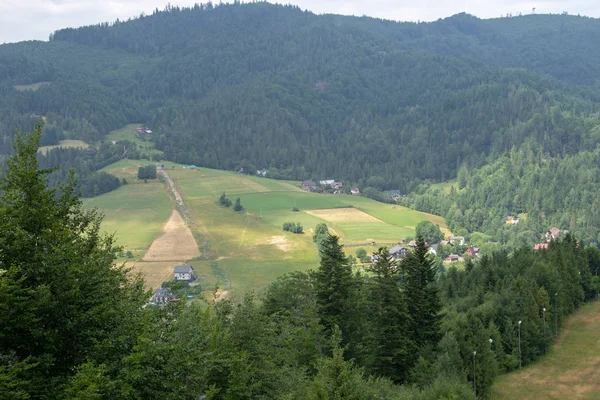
(128, 132)
(571, 370)
(34, 86)
(446, 186)
(65, 143)
(244, 251)
(135, 212)
(251, 248)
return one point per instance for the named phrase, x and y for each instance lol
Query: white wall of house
(180, 276)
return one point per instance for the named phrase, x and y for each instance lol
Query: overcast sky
(36, 19)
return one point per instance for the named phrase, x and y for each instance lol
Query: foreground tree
(421, 289)
(62, 301)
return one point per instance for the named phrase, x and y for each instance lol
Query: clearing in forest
(571, 370)
(176, 243)
(343, 215)
(64, 143)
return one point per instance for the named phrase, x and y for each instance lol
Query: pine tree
(333, 283)
(421, 288)
(390, 321)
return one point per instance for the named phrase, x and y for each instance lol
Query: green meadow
(244, 251)
(571, 370)
(128, 132)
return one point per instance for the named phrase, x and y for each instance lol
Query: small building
(148, 131)
(192, 167)
(395, 194)
(540, 246)
(433, 249)
(444, 243)
(337, 185)
(162, 295)
(399, 252)
(412, 244)
(326, 182)
(472, 251)
(553, 234)
(261, 172)
(452, 258)
(454, 240)
(141, 129)
(354, 191)
(309, 185)
(510, 220)
(184, 273)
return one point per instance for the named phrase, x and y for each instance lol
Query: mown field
(65, 143)
(571, 370)
(244, 251)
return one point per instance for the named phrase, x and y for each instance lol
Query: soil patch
(176, 243)
(281, 242)
(154, 273)
(343, 215)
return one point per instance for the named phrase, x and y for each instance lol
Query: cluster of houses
(324, 186)
(400, 252)
(181, 273)
(143, 129)
(550, 235)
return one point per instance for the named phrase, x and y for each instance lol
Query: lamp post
(520, 363)
(545, 341)
(491, 341)
(474, 378)
(555, 314)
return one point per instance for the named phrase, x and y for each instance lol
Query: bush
(295, 209)
(238, 205)
(225, 201)
(292, 227)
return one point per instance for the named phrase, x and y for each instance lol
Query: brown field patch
(154, 273)
(281, 243)
(176, 243)
(292, 187)
(343, 215)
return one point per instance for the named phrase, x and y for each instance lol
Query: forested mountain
(375, 103)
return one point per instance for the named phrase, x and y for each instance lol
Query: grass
(569, 371)
(243, 251)
(65, 143)
(34, 86)
(135, 213)
(128, 132)
(446, 186)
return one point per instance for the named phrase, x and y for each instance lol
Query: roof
(396, 249)
(554, 231)
(309, 183)
(162, 292)
(456, 238)
(183, 269)
(540, 246)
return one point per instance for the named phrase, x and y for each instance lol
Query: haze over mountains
(376, 103)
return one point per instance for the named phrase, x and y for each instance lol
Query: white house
(460, 240)
(327, 182)
(184, 273)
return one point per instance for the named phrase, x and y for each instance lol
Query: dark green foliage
(224, 200)
(392, 345)
(238, 205)
(429, 232)
(424, 305)
(147, 172)
(62, 300)
(333, 282)
(293, 227)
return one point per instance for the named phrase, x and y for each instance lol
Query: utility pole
(491, 341)
(474, 378)
(545, 340)
(520, 362)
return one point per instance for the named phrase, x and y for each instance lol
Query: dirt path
(176, 243)
(172, 186)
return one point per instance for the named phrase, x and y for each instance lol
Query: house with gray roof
(399, 252)
(184, 273)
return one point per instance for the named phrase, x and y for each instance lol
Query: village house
(452, 258)
(540, 246)
(261, 172)
(395, 194)
(510, 220)
(354, 191)
(184, 273)
(456, 240)
(309, 185)
(162, 295)
(433, 249)
(399, 252)
(553, 234)
(412, 244)
(326, 182)
(472, 251)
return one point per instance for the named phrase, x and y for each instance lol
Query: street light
(491, 341)
(520, 363)
(474, 378)
(555, 314)
(545, 341)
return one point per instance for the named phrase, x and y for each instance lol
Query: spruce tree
(333, 283)
(390, 321)
(421, 289)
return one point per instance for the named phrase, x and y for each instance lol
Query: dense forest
(74, 326)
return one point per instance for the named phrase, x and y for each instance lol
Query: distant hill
(377, 103)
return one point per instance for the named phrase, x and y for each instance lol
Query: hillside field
(243, 251)
(569, 371)
(65, 143)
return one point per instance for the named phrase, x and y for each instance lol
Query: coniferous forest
(74, 326)
(377, 104)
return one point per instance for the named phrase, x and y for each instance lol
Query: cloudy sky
(36, 19)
